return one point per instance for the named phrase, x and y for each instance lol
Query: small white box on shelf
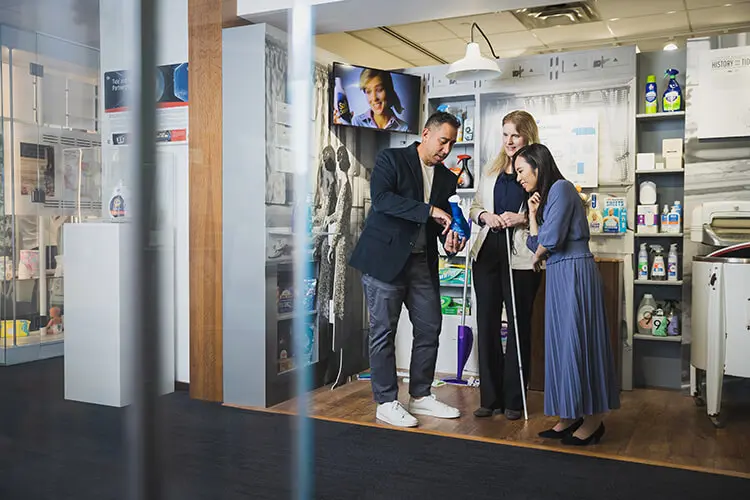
(673, 162)
(645, 161)
(671, 148)
(648, 219)
(659, 165)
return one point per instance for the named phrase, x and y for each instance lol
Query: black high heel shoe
(553, 434)
(594, 438)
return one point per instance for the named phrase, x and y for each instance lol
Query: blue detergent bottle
(652, 98)
(459, 223)
(672, 100)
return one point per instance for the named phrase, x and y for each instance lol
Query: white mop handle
(515, 323)
(466, 277)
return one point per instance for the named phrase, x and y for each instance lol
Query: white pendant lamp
(474, 66)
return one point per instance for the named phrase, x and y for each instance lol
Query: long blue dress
(579, 370)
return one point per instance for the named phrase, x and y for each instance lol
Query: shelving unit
(468, 105)
(658, 283)
(658, 171)
(660, 116)
(674, 338)
(659, 235)
(657, 360)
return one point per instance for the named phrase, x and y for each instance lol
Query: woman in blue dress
(580, 385)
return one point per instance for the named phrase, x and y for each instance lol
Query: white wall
(118, 49)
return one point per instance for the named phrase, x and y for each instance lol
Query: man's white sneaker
(394, 413)
(430, 406)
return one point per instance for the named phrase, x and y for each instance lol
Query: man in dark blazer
(398, 257)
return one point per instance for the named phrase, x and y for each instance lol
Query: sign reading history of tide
(724, 99)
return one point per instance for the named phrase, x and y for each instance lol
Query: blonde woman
(500, 204)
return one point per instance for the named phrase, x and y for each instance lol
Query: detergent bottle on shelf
(672, 263)
(643, 263)
(645, 313)
(652, 101)
(672, 100)
(658, 269)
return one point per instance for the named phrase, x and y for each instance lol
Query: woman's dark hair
(541, 160)
(392, 99)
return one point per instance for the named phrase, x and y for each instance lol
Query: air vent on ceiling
(561, 14)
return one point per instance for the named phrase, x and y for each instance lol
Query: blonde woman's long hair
(526, 128)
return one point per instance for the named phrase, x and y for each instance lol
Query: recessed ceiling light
(727, 5)
(672, 12)
(671, 46)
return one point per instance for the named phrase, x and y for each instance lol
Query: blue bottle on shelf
(672, 100)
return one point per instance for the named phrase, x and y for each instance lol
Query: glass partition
(51, 175)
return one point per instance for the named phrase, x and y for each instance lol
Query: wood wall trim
(229, 15)
(205, 177)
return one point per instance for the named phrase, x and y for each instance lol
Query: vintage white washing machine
(720, 302)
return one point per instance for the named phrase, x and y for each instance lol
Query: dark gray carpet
(52, 449)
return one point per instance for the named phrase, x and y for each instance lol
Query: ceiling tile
(720, 16)
(448, 49)
(610, 9)
(376, 37)
(491, 24)
(405, 52)
(700, 4)
(511, 41)
(424, 61)
(575, 33)
(357, 52)
(424, 32)
(634, 26)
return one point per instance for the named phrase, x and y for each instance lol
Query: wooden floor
(652, 426)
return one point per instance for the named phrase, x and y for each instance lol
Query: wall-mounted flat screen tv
(375, 99)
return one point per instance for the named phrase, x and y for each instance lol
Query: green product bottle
(652, 98)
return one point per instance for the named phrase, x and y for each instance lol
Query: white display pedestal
(100, 314)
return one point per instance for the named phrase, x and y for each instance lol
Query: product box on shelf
(285, 301)
(453, 306)
(20, 327)
(452, 276)
(671, 148)
(614, 215)
(673, 162)
(648, 219)
(645, 161)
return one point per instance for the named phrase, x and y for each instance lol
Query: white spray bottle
(643, 263)
(658, 269)
(672, 263)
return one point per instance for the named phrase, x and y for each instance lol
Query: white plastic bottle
(643, 263)
(645, 312)
(658, 268)
(674, 220)
(341, 102)
(664, 226)
(672, 263)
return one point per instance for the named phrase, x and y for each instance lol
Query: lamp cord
(475, 25)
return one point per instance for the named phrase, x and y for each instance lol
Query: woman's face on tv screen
(375, 92)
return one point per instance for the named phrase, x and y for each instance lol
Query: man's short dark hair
(438, 118)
